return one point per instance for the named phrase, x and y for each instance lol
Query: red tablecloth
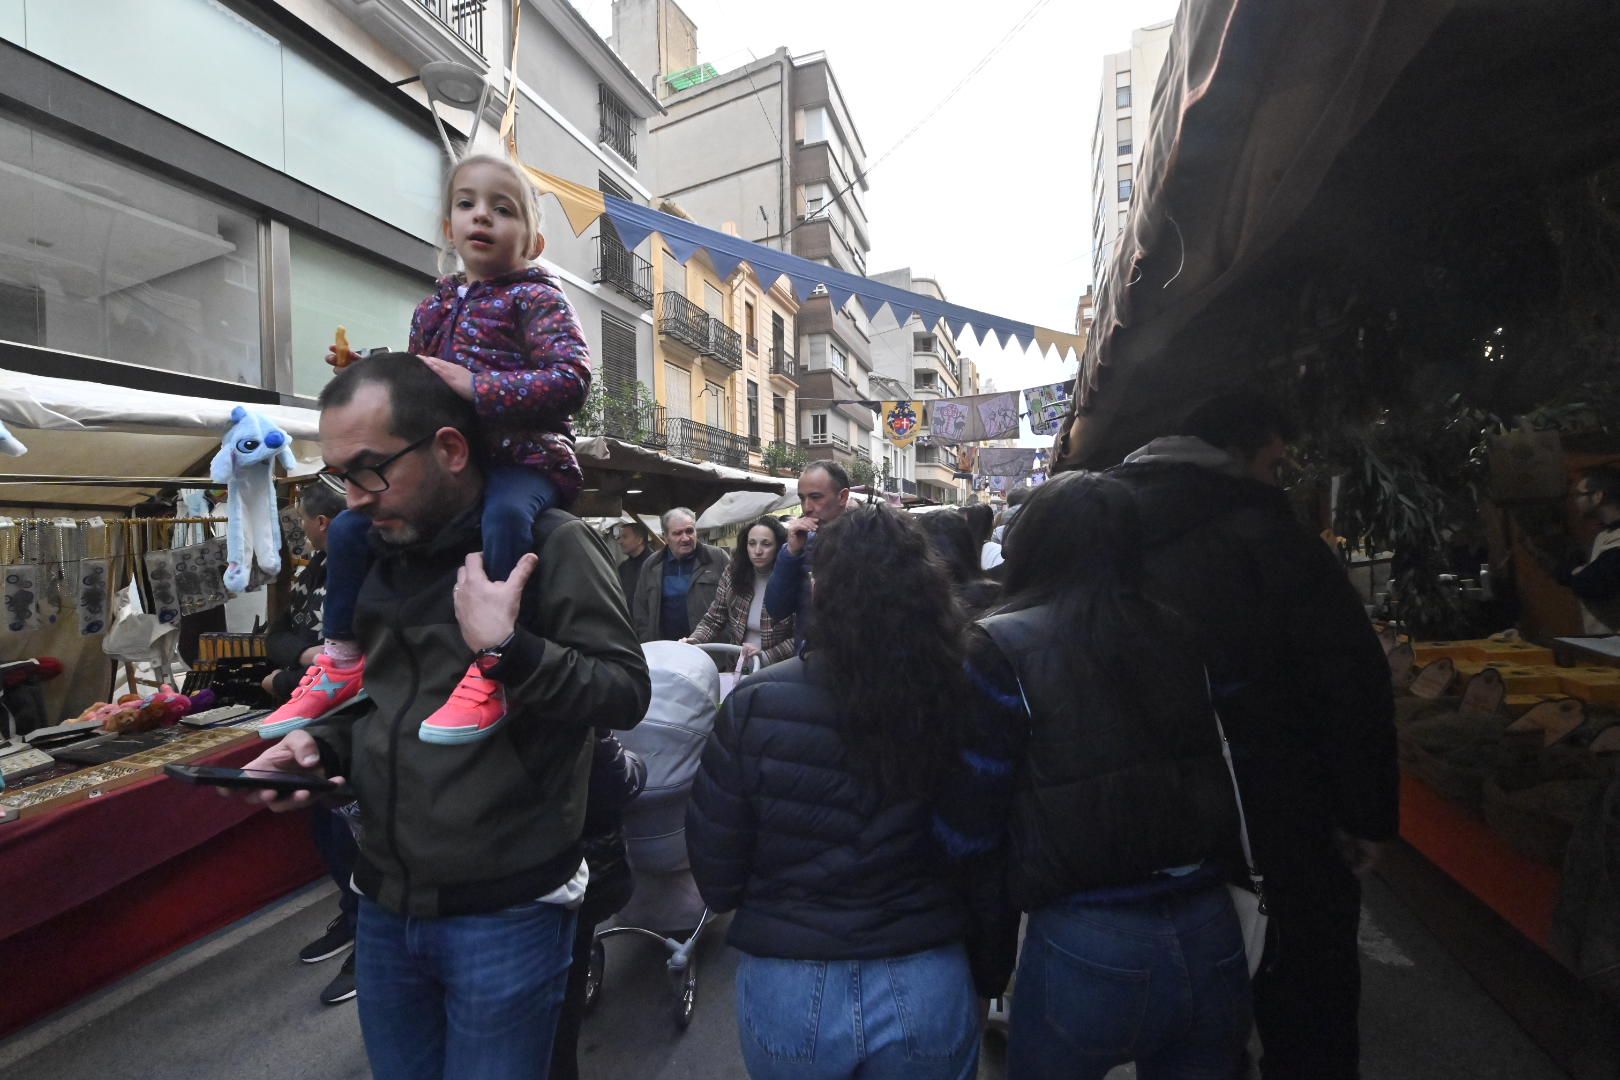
(1520, 890)
(97, 889)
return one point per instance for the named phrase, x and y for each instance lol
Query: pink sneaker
(324, 689)
(476, 707)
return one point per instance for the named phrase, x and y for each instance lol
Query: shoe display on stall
(324, 689)
(342, 986)
(339, 936)
(476, 707)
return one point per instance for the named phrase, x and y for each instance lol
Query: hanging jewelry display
(189, 572)
(160, 576)
(21, 579)
(59, 542)
(93, 575)
(216, 556)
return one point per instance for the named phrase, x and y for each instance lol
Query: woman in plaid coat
(738, 615)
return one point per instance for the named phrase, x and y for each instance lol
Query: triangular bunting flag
(1067, 345)
(803, 286)
(872, 305)
(682, 248)
(581, 205)
(632, 232)
(839, 297)
(724, 263)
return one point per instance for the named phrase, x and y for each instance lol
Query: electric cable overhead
(1017, 27)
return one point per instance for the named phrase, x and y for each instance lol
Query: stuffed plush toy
(10, 445)
(134, 714)
(253, 529)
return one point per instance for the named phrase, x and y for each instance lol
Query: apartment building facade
(1124, 109)
(770, 151)
(201, 191)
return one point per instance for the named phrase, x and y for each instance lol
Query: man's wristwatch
(491, 655)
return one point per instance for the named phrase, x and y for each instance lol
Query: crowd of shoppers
(935, 758)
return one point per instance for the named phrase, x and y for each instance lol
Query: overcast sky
(991, 195)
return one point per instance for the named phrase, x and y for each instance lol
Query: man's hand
(455, 376)
(800, 530)
(268, 683)
(488, 610)
(307, 657)
(297, 753)
(1360, 855)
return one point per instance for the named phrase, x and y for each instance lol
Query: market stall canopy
(623, 476)
(1293, 141)
(107, 442)
(737, 507)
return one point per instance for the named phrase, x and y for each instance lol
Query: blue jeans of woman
(1162, 982)
(463, 997)
(911, 1017)
(513, 497)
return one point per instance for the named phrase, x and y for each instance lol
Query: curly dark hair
(888, 637)
(741, 570)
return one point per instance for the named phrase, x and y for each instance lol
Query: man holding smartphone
(470, 867)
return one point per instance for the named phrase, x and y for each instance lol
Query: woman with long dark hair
(813, 817)
(737, 616)
(1122, 827)
(950, 534)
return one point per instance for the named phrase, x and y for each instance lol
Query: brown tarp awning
(1287, 134)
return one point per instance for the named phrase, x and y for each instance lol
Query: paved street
(239, 1005)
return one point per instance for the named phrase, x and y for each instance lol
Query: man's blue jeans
(911, 1017)
(1162, 982)
(467, 997)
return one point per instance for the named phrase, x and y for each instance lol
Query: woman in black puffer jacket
(1122, 827)
(814, 818)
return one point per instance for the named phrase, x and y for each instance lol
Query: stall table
(97, 889)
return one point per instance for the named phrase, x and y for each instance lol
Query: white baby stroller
(686, 695)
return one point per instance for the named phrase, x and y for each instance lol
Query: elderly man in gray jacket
(676, 587)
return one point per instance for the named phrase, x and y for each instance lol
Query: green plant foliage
(629, 412)
(783, 457)
(1411, 367)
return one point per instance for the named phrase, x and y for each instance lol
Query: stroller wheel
(685, 997)
(593, 975)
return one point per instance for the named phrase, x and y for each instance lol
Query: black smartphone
(252, 780)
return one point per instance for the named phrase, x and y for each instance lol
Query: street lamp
(459, 87)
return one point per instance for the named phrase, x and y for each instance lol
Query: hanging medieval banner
(1006, 461)
(900, 422)
(998, 413)
(974, 419)
(1046, 407)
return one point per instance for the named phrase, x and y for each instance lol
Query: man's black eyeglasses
(374, 478)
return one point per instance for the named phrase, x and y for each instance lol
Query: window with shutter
(618, 355)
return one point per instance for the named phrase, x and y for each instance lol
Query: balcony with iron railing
(725, 345)
(681, 320)
(622, 270)
(899, 485)
(464, 18)
(617, 130)
(782, 363)
(701, 442)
